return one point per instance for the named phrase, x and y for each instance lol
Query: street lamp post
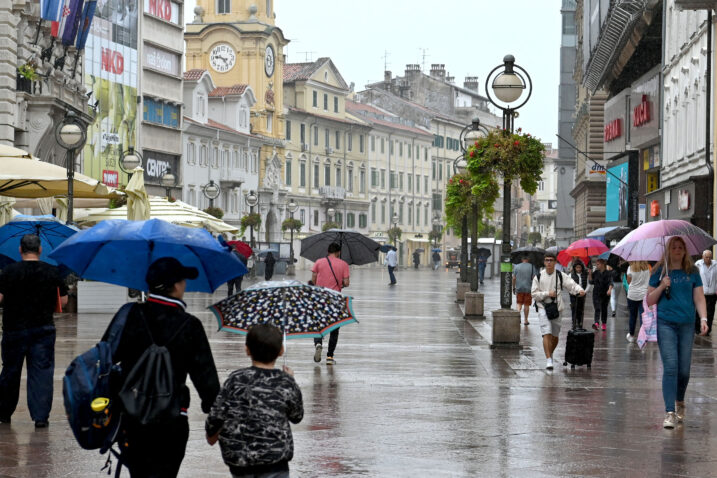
(508, 86)
(130, 160)
(292, 207)
(168, 180)
(251, 201)
(71, 134)
(211, 191)
(394, 220)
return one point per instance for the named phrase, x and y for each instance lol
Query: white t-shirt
(638, 285)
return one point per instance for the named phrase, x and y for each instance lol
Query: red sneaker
(604, 326)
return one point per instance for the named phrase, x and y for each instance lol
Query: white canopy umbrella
(138, 206)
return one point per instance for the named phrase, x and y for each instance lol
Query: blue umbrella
(52, 233)
(120, 252)
(386, 247)
(436, 249)
(5, 261)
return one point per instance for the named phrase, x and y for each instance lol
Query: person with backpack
(333, 273)
(29, 292)
(252, 414)
(602, 282)
(547, 291)
(159, 346)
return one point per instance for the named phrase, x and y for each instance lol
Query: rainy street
(417, 391)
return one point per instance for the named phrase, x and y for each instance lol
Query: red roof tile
(193, 75)
(237, 89)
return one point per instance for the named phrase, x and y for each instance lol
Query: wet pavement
(417, 392)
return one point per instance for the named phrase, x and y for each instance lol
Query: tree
(535, 238)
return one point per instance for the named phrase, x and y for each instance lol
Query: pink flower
(516, 143)
(472, 154)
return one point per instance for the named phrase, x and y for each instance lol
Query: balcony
(548, 215)
(332, 193)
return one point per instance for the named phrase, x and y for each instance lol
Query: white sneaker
(680, 411)
(631, 338)
(670, 420)
(549, 364)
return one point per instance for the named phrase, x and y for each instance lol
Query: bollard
(461, 290)
(506, 329)
(474, 306)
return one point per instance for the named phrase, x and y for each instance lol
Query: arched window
(203, 156)
(190, 153)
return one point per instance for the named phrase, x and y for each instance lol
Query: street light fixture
(130, 160)
(71, 134)
(508, 86)
(330, 214)
(168, 180)
(211, 191)
(292, 207)
(394, 220)
(251, 201)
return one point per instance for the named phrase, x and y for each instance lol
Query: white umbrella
(138, 206)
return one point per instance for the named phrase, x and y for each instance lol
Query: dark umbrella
(617, 234)
(483, 252)
(535, 254)
(355, 247)
(420, 249)
(120, 252)
(386, 247)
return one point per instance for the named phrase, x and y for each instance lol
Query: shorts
(551, 327)
(524, 298)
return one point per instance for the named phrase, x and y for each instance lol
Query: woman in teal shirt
(675, 323)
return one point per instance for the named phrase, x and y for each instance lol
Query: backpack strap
(114, 332)
(333, 273)
(146, 326)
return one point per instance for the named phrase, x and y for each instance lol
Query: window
(224, 6)
(337, 142)
(288, 130)
(225, 159)
(338, 177)
(302, 133)
(339, 219)
(400, 181)
(373, 213)
(288, 172)
(245, 161)
(410, 151)
(350, 220)
(425, 184)
(350, 180)
(316, 175)
(190, 153)
(383, 141)
(390, 148)
(425, 154)
(215, 157)
(302, 216)
(362, 181)
(326, 138)
(316, 135)
(418, 215)
(302, 174)
(418, 149)
(316, 217)
(351, 142)
(392, 180)
(383, 179)
(409, 185)
(440, 172)
(235, 159)
(409, 210)
(541, 186)
(326, 102)
(425, 215)
(327, 175)
(373, 143)
(268, 8)
(437, 202)
(448, 170)
(269, 122)
(400, 149)
(418, 183)
(433, 168)
(383, 213)
(316, 99)
(336, 104)
(360, 143)
(363, 220)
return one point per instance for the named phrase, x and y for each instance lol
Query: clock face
(269, 61)
(222, 58)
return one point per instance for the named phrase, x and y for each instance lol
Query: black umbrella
(617, 234)
(355, 247)
(535, 254)
(483, 252)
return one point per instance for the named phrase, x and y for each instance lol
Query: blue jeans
(390, 274)
(481, 271)
(675, 343)
(37, 346)
(635, 308)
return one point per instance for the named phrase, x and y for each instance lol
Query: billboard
(616, 195)
(111, 76)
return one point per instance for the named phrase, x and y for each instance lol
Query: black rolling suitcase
(579, 347)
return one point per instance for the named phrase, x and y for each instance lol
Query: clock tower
(238, 42)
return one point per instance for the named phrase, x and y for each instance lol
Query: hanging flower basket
(394, 234)
(215, 211)
(330, 225)
(250, 220)
(291, 224)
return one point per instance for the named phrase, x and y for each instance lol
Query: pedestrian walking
(416, 259)
(29, 292)
(617, 273)
(391, 261)
(676, 287)
(482, 262)
(333, 273)
(546, 290)
(250, 417)
(436, 260)
(708, 273)
(269, 262)
(581, 276)
(638, 278)
(602, 282)
(237, 281)
(523, 275)
(157, 449)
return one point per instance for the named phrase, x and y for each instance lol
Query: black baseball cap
(167, 271)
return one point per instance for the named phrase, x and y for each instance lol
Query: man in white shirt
(391, 261)
(708, 273)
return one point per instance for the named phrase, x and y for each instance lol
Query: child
(251, 414)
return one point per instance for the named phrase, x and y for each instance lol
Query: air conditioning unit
(304, 147)
(329, 150)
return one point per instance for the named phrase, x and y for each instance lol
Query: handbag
(551, 309)
(648, 329)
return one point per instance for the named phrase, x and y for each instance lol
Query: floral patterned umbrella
(299, 310)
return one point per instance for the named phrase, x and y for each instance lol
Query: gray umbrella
(355, 247)
(535, 254)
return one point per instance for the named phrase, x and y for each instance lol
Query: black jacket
(190, 351)
(601, 281)
(582, 279)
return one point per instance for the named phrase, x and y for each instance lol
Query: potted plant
(291, 224)
(394, 234)
(215, 211)
(330, 225)
(250, 220)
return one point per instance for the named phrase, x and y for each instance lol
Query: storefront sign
(157, 164)
(654, 208)
(163, 9)
(161, 60)
(110, 178)
(595, 169)
(617, 117)
(642, 214)
(641, 113)
(645, 94)
(613, 130)
(683, 200)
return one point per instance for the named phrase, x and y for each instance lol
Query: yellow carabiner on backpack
(99, 404)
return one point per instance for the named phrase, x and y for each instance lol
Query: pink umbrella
(647, 242)
(585, 248)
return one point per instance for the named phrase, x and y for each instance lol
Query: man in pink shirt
(333, 273)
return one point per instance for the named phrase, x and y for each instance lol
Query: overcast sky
(469, 36)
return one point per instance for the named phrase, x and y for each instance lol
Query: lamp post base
(474, 306)
(506, 329)
(461, 289)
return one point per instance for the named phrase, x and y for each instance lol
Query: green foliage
(250, 220)
(498, 233)
(28, 72)
(535, 238)
(291, 224)
(435, 235)
(330, 225)
(215, 211)
(118, 200)
(394, 234)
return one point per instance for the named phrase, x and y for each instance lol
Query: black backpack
(148, 394)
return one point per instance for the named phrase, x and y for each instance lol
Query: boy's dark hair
(334, 247)
(264, 342)
(30, 243)
(550, 254)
